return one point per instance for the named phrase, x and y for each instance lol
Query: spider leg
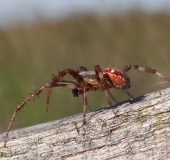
(102, 83)
(107, 97)
(62, 83)
(48, 98)
(149, 70)
(82, 85)
(77, 89)
(99, 76)
(48, 85)
(128, 94)
(36, 93)
(113, 98)
(67, 84)
(84, 106)
(71, 72)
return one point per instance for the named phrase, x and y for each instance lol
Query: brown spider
(99, 79)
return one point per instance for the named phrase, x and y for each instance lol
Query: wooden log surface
(139, 131)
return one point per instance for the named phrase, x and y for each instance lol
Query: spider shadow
(130, 101)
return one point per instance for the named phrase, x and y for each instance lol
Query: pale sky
(27, 10)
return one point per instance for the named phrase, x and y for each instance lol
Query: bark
(139, 131)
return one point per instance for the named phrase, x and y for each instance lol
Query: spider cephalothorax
(85, 81)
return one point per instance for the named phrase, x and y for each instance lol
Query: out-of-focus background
(37, 38)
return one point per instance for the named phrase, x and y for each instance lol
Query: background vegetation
(29, 55)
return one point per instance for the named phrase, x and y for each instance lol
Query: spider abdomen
(116, 78)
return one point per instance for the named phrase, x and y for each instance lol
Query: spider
(85, 81)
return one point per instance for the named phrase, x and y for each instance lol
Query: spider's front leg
(103, 84)
(145, 69)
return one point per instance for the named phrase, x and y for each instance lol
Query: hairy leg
(103, 84)
(149, 70)
(84, 106)
(54, 83)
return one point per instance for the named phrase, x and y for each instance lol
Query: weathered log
(140, 131)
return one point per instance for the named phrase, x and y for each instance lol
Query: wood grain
(140, 131)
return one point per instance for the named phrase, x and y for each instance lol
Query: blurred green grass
(31, 54)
